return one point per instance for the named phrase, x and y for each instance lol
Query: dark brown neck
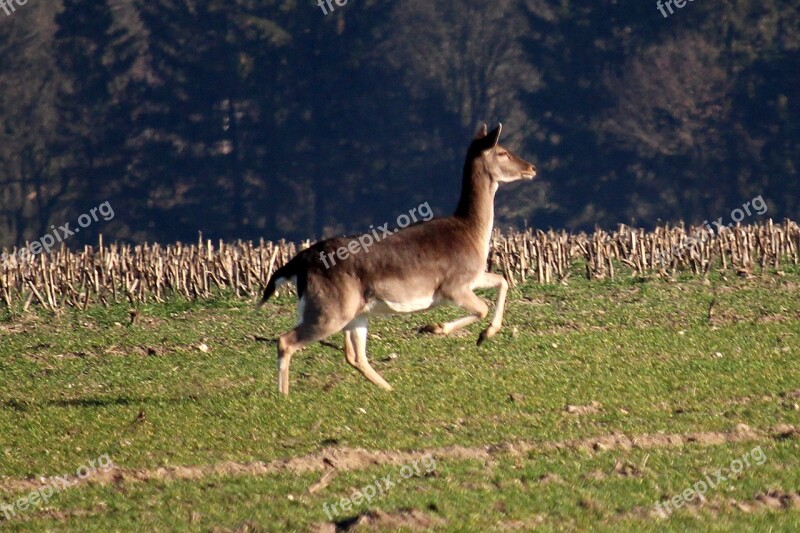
(476, 205)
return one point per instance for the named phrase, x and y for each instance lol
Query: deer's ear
(481, 133)
(493, 137)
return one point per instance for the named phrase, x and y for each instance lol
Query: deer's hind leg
(293, 341)
(468, 301)
(355, 352)
(315, 324)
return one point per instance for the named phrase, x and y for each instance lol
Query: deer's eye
(503, 154)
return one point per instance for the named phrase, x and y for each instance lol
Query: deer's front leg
(490, 281)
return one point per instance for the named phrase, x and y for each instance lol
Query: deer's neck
(476, 205)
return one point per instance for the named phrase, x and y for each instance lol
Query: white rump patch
(283, 281)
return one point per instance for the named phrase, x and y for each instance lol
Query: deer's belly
(387, 307)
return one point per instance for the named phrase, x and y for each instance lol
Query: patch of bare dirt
(766, 501)
(784, 431)
(550, 478)
(628, 469)
(778, 499)
(345, 459)
(580, 410)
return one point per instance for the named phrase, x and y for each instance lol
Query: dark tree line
(248, 119)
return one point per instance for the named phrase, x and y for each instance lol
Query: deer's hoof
(436, 329)
(485, 335)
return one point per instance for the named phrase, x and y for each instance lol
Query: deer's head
(498, 162)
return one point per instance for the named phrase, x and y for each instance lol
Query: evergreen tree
(198, 111)
(94, 57)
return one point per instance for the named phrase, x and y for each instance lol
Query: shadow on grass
(27, 405)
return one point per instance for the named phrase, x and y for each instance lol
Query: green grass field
(596, 401)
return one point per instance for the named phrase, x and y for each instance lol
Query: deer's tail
(291, 271)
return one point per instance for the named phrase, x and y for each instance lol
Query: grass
(679, 356)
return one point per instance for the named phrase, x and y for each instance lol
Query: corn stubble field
(616, 383)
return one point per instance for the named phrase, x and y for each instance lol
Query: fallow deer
(430, 263)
